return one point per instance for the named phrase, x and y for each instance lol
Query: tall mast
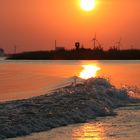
(55, 44)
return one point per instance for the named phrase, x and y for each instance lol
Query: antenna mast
(55, 44)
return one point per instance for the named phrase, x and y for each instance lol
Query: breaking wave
(75, 101)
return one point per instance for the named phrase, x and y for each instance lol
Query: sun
(87, 5)
(89, 71)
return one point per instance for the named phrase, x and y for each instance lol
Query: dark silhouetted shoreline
(79, 54)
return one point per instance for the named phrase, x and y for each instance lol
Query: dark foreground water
(124, 126)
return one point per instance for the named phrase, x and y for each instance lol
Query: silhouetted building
(1, 52)
(59, 48)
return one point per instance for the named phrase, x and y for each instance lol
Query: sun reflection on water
(88, 132)
(89, 71)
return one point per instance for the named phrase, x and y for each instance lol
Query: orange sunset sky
(35, 24)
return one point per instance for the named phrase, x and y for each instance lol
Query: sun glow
(87, 5)
(89, 71)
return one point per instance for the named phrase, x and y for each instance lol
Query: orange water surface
(24, 79)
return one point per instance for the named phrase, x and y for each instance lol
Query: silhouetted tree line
(97, 53)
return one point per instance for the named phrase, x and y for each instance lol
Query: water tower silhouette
(77, 45)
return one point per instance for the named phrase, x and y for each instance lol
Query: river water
(24, 79)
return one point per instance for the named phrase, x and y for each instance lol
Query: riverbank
(68, 105)
(79, 54)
